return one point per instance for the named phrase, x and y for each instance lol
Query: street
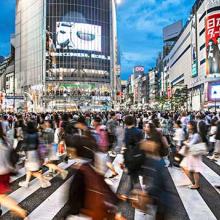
(48, 204)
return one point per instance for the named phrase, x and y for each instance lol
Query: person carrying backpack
(133, 156)
(112, 125)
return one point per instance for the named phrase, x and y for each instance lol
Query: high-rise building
(66, 52)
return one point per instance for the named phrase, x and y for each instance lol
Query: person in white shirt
(212, 134)
(179, 134)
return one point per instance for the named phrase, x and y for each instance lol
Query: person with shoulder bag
(89, 196)
(32, 162)
(194, 149)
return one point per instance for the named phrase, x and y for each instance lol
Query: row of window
(92, 3)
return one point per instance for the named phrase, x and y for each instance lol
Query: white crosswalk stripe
(52, 204)
(196, 210)
(22, 193)
(212, 177)
(194, 204)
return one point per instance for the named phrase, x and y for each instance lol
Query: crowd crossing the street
(142, 165)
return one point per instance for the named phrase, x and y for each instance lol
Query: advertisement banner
(194, 47)
(212, 28)
(138, 69)
(214, 91)
(78, 36)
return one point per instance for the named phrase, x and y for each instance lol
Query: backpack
(111, 138)
(13, 157)
(134, 157)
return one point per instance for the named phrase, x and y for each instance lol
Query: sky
(140, 24)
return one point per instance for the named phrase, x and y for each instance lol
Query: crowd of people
(148, 141)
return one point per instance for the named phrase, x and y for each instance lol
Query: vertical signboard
(194, 47)
(212, 28)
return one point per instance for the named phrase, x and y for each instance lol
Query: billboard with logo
(78, 36)
(194, 47)
(214, 91)
(138, 69)
(78, 39)
(212, 29)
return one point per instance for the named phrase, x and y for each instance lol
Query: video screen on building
(212, 28)
(70, 35)
(214, 91)
(78, 38)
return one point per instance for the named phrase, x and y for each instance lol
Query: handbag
(198, 149)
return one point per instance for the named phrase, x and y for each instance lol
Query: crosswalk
(49, 204)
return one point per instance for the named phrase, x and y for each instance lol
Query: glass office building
(69, 54)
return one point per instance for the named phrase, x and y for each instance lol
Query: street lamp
(215, 93)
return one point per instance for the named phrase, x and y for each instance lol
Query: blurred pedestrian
(5, 170)
(32, 163)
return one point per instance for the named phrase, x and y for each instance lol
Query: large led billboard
(212, 44)
(194, 47)
(78, 39)
(70, 35)
(214, 91)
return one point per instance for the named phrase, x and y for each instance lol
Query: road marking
(115, 181)
(218, 162)
(194, 204)
(21, 172)
(22, 193)
(53, 204)
(212, 177)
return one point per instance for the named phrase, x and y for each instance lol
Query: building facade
(66, 52)
(194, 60)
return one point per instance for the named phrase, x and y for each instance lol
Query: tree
(179, 98)
(162, 100)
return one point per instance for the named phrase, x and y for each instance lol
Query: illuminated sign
(214, 91)
(139, 69)
(194, 48)
(78, 36)
(213, 44)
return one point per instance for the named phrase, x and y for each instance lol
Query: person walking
(212, 134)
(5, 170)
(216, 153)
(32, 163)
(48, 137)
(179, 135)
(192, 164)
(133, 155)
